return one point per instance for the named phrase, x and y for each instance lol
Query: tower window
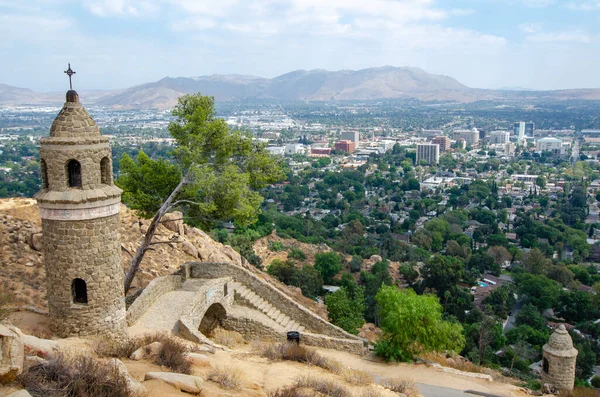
(79, 291)
(105, 174)
(74, 173)
(44, 172)
(545, 365)
(225, 289)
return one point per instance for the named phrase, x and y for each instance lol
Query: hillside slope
(21, 260)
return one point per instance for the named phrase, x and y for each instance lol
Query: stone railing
(254, 329)
(150, 295)
(284, 303)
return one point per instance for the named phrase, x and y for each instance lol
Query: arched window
(545, 365)
(105, 174)
(74, 173)
(44, 172)
(79, 291)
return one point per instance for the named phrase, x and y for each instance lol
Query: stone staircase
(246, 297)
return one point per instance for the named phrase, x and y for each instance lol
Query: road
(510, 322)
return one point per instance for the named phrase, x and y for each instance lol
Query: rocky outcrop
(12, 352)
(145, 351)
(187, 383)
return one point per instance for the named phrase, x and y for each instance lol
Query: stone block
(187, 383)
(12, 353)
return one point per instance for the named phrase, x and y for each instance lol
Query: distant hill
(315, 85)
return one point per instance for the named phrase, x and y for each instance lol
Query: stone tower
(79, 206)
(558, 363)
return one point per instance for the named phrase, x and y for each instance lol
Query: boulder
(197, 359)
(148, 350)
(375, 258)
(11, 353)
(174, 222)
(187, 383)
(19, 393)
(134, 387)
(41, 347)
(35, 241)
(189, 249)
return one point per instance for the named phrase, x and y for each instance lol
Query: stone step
(245, 292)
(256, 300)
(262, 305)
(280, 318)
(292, 326)
(301, 328)
(267, 308)
(285, 321)
(271, 311)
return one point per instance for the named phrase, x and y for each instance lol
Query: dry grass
(6, 300)
(324, 386)
(170, 355)
(405, 386)
(299, 353)
(370, 392)
(458, 363)
(357, 377)
(227, 338)
(226, 377)
(585, 392)
(80, 376)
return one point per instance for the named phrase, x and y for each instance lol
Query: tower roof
(560, 343)
(74, 121)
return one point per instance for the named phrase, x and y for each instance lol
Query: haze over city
(533, 44)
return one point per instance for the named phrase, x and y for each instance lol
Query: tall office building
(443, 141)
(523, 129)
(430, 152)
(353, 136)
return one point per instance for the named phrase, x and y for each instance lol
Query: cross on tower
(70, 73)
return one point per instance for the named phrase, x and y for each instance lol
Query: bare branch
(126, 250)
(178, 202)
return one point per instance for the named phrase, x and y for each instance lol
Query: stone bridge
(201, 296)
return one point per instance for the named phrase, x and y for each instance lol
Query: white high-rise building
(498, 137)
(430, 152)
(471, 137)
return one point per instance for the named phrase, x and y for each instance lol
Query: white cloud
(538, 3)
(560, 37)
(530, 28)
(584, 5)
(108, 8)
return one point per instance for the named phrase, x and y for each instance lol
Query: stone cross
(70, 73)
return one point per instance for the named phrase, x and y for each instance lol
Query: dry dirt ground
(260, 376)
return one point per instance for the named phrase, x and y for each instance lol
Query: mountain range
(314, 85)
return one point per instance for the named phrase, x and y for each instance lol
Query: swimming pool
(482, 284)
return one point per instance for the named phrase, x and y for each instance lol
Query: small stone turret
(558, 363)
(79, 206)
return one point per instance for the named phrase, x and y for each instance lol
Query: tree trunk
(139, 255)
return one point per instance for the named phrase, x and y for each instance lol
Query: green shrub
(297, 253)
(534, 385)
(596, 381)
(276, 246)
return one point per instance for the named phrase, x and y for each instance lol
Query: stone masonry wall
(561, 371)
(255, 330)
(89, 250)
(150, 295)
(277, 298)
(89, 156)
(73, 121)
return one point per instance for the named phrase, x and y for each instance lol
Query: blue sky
(541, 44)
